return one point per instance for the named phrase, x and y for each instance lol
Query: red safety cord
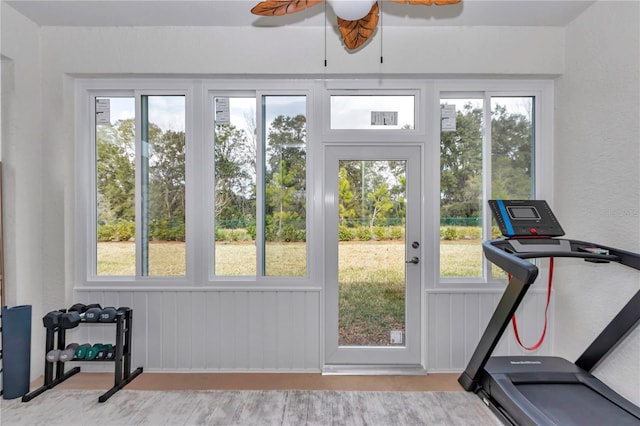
(544, 330)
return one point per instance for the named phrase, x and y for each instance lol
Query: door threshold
(373, 370)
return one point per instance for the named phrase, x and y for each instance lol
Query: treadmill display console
(525, 218)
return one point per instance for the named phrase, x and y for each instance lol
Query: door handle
(413, 260)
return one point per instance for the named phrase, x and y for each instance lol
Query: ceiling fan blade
(282, 7)
(355, 33)
(429, 2)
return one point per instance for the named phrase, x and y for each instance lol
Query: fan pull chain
(381, 3)
(325, 34)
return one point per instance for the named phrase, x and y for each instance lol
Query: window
(377, 112)
(260, 227)
(487, 150)
(234, 183)
(115, 186)
(138, 238)
(207, 182)
(256, 179)
(285, 182)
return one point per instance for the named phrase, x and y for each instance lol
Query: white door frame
(356, 358)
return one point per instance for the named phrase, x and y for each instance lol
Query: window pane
(115, 186)
(163, 186)
(372, 112)
(512, 148)
(461, 188)
(235, 186)
(512, 153)
(285, 171)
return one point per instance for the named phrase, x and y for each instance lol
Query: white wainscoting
(456, 321)
(280, 330)
(213, 330)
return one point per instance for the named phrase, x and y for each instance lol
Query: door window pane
(285, 184)
(163, 186)
(371, 253)
(115, 186)
(378, 112)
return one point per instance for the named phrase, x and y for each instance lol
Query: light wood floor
(264, 381)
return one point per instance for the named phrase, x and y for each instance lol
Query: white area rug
(296, 407)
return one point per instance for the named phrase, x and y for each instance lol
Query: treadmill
(545, 390)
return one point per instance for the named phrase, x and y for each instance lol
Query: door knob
(413, 260)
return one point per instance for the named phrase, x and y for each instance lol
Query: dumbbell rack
(122, 358)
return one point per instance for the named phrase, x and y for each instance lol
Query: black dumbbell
(92, 314)
(111, 354)
(78, 307)
(104, 350)
(108, 314)
(68, 353)
(52, 319)
(70, 319)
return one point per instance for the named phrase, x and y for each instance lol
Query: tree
(461, 160)
(461, 165)
(381, 203)
(115, 172)
(512, 153)
(285, 174)
(167, 176)
(234, 173)
(346, 207)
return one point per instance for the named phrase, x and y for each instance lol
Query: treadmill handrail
(515, 265)
(500, 252)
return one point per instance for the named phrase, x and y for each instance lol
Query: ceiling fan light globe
(351, 10)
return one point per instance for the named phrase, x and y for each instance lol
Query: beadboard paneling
(279, 330)
(213, 330)
(456, 321)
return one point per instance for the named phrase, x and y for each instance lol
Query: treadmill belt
(575, 404)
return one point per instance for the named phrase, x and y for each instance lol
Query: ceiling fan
(357, 19)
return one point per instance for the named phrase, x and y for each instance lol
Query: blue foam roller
(16, 351)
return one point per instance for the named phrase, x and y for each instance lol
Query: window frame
(198, 250)
(542, 92)
(85, 171)
(259, 94)
(427, 92)
(419, 89)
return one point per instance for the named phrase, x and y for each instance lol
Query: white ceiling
(237, 13)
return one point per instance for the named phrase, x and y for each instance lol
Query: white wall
(597, 189)
(69, 52)
(22, 168)
(40, 264)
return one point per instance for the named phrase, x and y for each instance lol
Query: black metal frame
(122, 359)
(523, 274)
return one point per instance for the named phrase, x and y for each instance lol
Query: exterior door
(373, 257)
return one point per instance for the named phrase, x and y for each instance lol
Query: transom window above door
(373, 112)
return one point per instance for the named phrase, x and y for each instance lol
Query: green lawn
(458, 258)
